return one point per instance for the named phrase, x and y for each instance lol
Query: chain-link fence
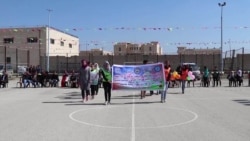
(16, 57)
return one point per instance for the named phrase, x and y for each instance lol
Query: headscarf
(106, 66)
(84, 65)
(97, 66)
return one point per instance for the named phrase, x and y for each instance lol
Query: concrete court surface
(57, 114)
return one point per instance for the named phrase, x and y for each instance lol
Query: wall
(64, 63)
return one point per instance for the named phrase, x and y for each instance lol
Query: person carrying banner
(167, 71)
(107, 80)
(143, 93)
(84, 80)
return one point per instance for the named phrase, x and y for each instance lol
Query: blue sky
(191, 23)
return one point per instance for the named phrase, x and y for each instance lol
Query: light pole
(49, 11)
(221, 42)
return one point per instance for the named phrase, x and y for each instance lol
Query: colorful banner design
(138, 77)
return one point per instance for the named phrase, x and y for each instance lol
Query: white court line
(133, 127)
(176, 124)
(133, 120)
(71, 116)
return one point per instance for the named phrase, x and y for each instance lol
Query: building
(123, 48)
(95, 52)
(184, 50)
(152, 48)
(30, 44)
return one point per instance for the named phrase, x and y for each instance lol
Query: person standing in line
(84, 80)
(206, 77)
(239, 77)
(184, 75)
(107, 80)
(143, 92)
(167, 71)
(216, 77)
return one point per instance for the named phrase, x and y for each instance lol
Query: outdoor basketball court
(57, 114)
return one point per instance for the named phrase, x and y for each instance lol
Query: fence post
(112, 59)
(57, 64)
(28, 57)
(44, 63)
(67, 63)
(39, 44)
(242, 61)
(213, 60)
(89, 57)
(180, 58)
(196, 58)
(75, 63)
(5, 58)
(17, 61)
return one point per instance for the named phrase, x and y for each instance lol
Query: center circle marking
(71, 116)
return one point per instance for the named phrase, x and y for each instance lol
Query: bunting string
(168, 29)
(102, 43)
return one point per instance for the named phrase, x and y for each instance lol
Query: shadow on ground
(245, 102)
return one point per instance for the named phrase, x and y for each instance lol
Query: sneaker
(106, 102)
(109, 103)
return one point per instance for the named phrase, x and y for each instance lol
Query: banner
(138, 77)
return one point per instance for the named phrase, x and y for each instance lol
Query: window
(32, 40)
(120, 49)
(52, 41)
(8, 40)
(8, 60)
(62, 43)
(150, 49)
(70, 45)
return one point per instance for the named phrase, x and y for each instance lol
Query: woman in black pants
(107, 80)
(84, 80)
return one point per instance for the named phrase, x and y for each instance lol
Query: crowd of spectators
(36, 77)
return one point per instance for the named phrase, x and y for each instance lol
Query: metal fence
(18, 57)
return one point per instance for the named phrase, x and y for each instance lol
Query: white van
(9, 69)
(21, 69)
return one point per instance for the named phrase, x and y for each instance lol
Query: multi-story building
(152, 48)
(35, 41)
(95, 52)
(184, 50)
